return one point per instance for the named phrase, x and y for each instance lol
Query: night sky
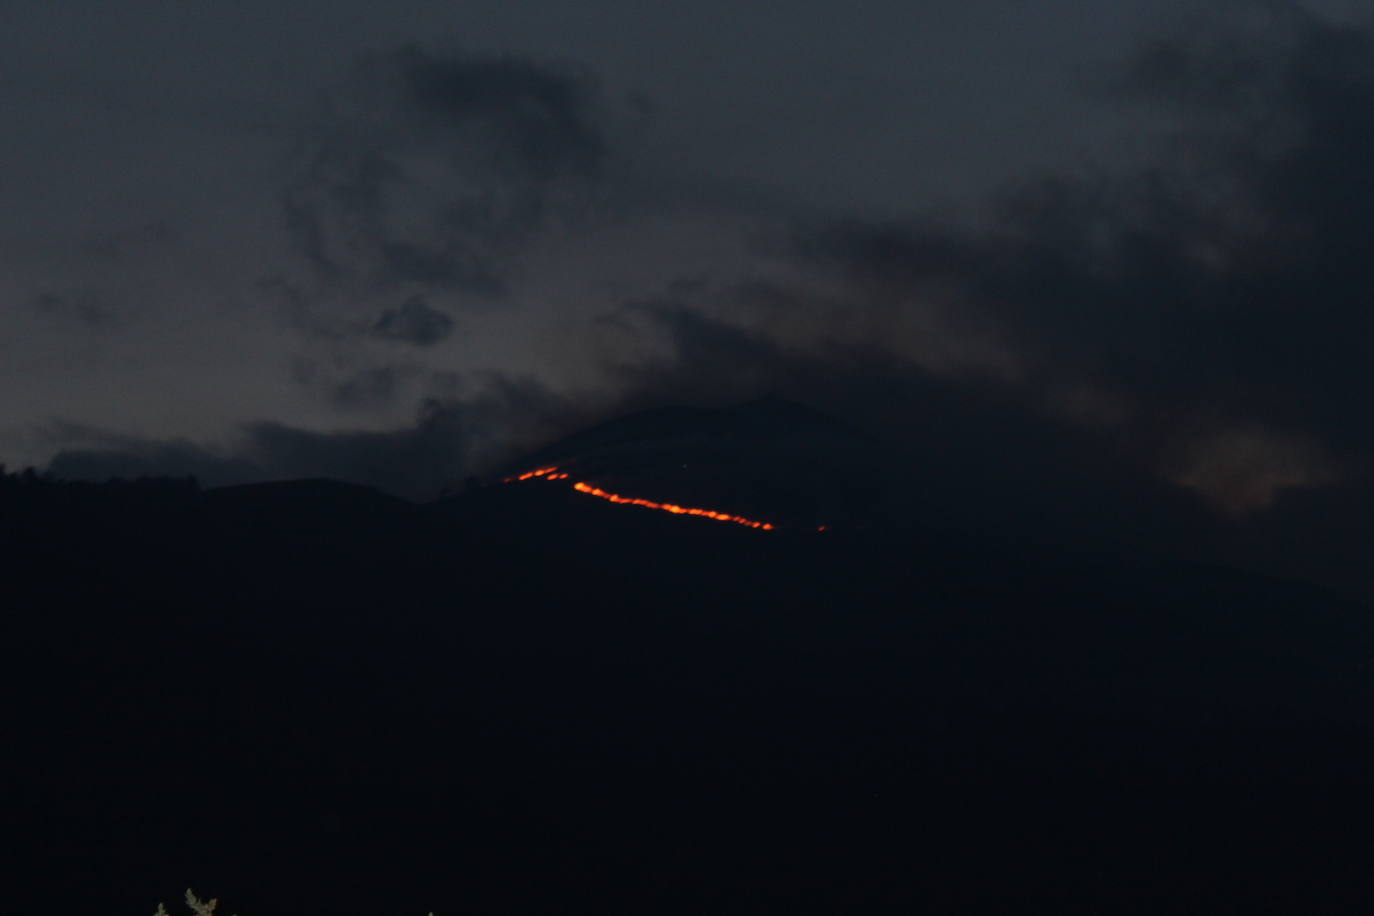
(1113, 250)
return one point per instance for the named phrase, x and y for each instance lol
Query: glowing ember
(669, 507)
(552, 473)
(541, 472)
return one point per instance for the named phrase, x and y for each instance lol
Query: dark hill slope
(769, 458)
(307, 698)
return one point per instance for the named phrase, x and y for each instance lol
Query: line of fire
(552, 473)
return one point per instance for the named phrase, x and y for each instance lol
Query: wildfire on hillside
(552, 473)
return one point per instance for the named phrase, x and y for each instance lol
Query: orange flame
(552, 473)
(541, 472)
(670, 507)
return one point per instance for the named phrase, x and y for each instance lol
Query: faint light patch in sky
(1241, 470)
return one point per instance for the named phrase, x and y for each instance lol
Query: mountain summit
(767, 459)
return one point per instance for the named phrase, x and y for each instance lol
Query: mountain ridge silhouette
(320, 698)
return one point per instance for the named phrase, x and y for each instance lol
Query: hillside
(307, 697)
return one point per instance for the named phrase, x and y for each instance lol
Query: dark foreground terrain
(310, 698)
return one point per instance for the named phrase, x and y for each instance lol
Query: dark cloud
(538, 119)
(415, 322)
(368, 388)
(433, 170)
(448, 441)
(414, 461)
(1221, 296)
(1221, 61)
